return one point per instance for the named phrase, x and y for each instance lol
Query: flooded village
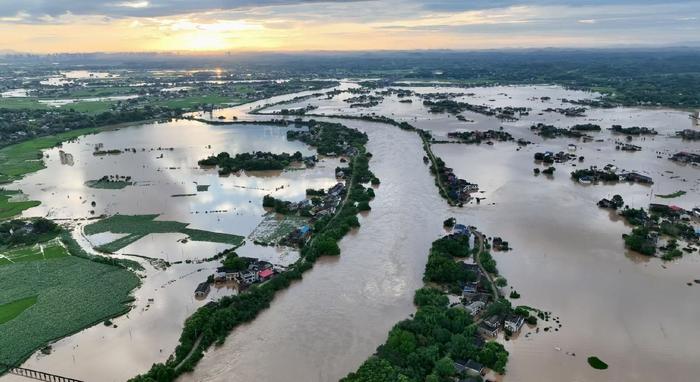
(215, 237)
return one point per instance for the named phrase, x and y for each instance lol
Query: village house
(470, 367)
(513, 323)
(475, 308)
(202, 290)
(265, 274)
(491, 326)
(686, 157)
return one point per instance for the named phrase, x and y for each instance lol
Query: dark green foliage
(257, 161)
(441, 267)
(488, 262)
(639, 241)
(27, 232)
(235, 263)
(430, 297)
(597, 363)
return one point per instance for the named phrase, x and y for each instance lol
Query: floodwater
(232, 204)
(637, 314)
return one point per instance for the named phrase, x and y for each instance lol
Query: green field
(22, 103)
(24, 158)
(90, 107)
(108, 184)
(13, 309)
(48, 250)
(672, 195)
(138, 226)
(47, 297)
(9, 208)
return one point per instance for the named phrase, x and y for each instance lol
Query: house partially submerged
(514, 322)
(202, 290)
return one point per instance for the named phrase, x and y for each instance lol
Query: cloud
(39, 9)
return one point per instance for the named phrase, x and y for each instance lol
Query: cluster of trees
(634, 130)
(639, 241)
(551, 131)
(27, 232)
(278, 205)
(257, 161)
(595, 175)
(329, 138)
(442, 267)
(586, 127)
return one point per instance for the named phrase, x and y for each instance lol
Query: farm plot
(48, 250)
(138, 226)
(53, 297)
(273, 227)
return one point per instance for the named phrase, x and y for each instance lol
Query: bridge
(34, 374)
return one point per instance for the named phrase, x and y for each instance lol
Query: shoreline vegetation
(443, 341)
(212, 323)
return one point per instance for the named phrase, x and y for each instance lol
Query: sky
(57, 26)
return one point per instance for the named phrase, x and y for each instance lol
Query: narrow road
(477, 259)
(433, 161)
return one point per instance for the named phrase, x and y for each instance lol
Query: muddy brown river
(636, 313)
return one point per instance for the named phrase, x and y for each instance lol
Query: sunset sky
(47, 26)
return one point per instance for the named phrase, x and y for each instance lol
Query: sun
(202, 40)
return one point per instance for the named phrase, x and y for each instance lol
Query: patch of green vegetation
(597, 363)
(21, 103)
(90, 107)
(272, 228)
(672, 195)
(72, 294)
(10, 208)
(48, 250)
(24, 158)
(138, 226)
(15, 308)
(108, 184)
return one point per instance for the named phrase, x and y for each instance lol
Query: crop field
(272, 228)
(44, 298)
(48, 250)
(24, 158)
(10, 207)
(14, 308)
(138, 226)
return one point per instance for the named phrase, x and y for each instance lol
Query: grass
(108, 184)
(15, 308)
(48, 250)
(138, 226)
(672, 195)
(25, 157)
(21, 103)
(90, 107)
(10, 208)
(597, 364)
